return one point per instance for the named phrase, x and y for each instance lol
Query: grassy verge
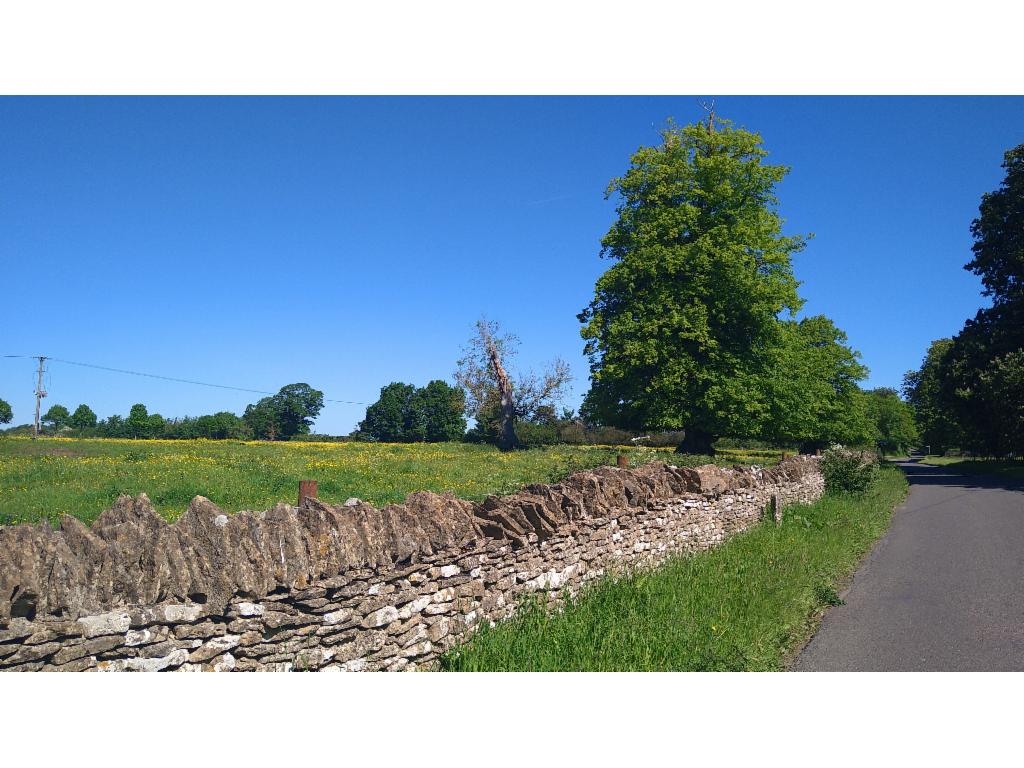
(743, 606)
(998, 467)
(43, 479)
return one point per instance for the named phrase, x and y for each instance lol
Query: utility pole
(40, 394)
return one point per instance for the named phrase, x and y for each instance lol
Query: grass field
(743, 606)
(43, 479)
(1012, 468)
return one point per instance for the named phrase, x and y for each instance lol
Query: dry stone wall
(350, 587)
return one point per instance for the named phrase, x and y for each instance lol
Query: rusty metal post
(307, 490)
(776, 508)
(622, 461)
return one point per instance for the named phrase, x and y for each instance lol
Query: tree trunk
(507, 440)
(697, 441)
(813, 446)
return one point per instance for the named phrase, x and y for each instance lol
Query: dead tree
(483, 375)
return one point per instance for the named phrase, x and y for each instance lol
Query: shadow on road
(926, 474)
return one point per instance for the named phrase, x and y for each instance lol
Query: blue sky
(351, 242)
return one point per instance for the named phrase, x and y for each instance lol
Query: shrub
(847, 471)
(531, 435)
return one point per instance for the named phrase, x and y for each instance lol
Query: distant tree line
(287, 414)
(968, 393)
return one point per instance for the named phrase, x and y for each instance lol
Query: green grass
(46, 478)
(942, 461)
(1011, 468)
(745, 605)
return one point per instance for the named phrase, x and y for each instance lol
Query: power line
(175, 379)
(157, 376)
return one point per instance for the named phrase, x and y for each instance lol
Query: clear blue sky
(351, 242)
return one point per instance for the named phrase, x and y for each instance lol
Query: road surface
(942, 590)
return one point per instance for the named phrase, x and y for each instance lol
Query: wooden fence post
(307, 490)
(622, 461)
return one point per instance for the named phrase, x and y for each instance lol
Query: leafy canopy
(681, 330)
(296, 406)
(405, 414)
(389, 420)
(140, 424)
(937, 423)
(222, 425)
(438, 412)
(999, 233)
(288, 413)
(56, 417)
(980, 372)
(83, 418)
(893, 420)
(814, 399)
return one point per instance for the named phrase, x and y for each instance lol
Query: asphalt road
(942, 590)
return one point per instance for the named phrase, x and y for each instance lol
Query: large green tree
(137, 423)
(56, 417)
(142, 425)
(404, 414)
(683, 327)
(288, 413)
(893, 420)
(83, 418)
(296, 406)
(6, 414)
(261, 420)
(999, 234)
(389, 419)
(1001, 386)
(438, 410)
(979, 370)
(937, 423)
(813, 396)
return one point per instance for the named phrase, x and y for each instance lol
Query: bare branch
(533, 392)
